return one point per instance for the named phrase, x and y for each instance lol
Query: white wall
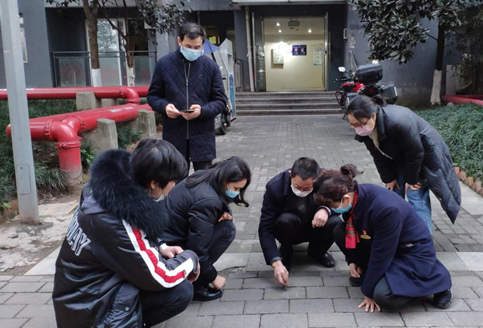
(297, 72)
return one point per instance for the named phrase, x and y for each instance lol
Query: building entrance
(295, 52)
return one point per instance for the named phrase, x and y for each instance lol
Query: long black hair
(233, 169)
(158, 160)
(364, 107)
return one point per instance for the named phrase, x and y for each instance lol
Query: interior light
(310, 30)
(278, 24)
(279, 31)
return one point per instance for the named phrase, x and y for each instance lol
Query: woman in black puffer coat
(407, 150)
(201, 221)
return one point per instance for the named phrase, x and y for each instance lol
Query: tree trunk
(438, 69)
(130, 64)
(91, 17)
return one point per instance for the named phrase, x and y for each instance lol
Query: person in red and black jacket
(112, 271)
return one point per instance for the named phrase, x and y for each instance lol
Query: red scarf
(351, 235)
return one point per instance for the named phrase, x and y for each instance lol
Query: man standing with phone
(187, 90)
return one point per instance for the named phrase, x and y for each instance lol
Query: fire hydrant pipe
(124, 92)
(464, 99)
(142, 91)
(65, 129)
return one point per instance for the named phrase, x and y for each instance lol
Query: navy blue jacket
(419, 151)
(275, 202)
(204, 87)
(402, 247)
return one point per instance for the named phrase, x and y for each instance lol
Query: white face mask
(299, 193)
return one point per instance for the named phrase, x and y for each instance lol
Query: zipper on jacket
(187, 76)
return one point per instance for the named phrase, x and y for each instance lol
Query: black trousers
(223, 235)
(198, 165)
(383, 295)
(289, 230)
(158, 307)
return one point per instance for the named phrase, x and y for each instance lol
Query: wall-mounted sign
(319, 56)
(299, 50)
(277, 56)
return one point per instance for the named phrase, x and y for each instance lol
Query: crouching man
(291, 216)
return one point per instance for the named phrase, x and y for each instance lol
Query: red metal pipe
(124, 92)
(142, 91)
(64, 129)
(473, 99)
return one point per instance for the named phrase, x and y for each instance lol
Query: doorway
(295, 53)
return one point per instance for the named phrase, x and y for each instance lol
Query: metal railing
(73, 68)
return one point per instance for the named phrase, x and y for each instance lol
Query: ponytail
(331, 185)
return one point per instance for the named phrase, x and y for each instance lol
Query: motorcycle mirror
(342, 69)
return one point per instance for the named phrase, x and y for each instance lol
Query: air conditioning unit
(293, 23)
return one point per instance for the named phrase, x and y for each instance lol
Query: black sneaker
(356, 282)
(326, 259)
(205, 294)
(443, 300)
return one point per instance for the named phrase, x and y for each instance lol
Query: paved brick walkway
(318, 297)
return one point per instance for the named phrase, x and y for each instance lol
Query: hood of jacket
(114, 189)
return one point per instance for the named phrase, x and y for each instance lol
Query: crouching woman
(387, 246)
(111, 271)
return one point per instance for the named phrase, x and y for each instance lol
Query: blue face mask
(232, 194)
(341, 210)
(191, 54)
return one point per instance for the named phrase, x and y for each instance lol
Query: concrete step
(274, 112)
(296, 106)
(324, 99)
(284, 94)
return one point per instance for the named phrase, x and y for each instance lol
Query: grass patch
(462, 128)
(126, 137)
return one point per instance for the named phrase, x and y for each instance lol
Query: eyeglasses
(360, 124)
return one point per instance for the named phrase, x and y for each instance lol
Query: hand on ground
(370, 305)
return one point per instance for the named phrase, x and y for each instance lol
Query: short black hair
(305, 167)
(233, 169)
(364, 107)
(158, 160)
(192, 31)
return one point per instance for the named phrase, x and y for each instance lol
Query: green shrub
(87, 156)
(49, 179)
(126, 136)
(462, 128)
(47, 174)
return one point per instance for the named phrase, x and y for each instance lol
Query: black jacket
(193, 213)
(108, 254)
(279, 198)
(419, 150)
(205, 88)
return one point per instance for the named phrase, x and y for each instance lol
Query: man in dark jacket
(187, 90)
(110, 271)
(290, 215)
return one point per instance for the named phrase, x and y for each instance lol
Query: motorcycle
(365, 82)
(348, 85)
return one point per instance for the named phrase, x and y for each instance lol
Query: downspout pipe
(249, 48)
